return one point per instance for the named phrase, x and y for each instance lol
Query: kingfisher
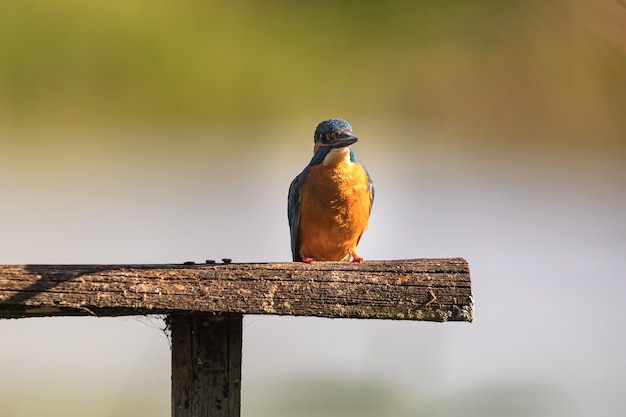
(330, 201)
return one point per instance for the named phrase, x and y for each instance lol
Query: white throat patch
(337, 156)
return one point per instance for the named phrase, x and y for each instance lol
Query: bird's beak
(342, 141)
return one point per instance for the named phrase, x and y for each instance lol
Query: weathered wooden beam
(206, 365)
(417, 289)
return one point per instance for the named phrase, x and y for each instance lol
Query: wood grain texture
(416, 289)
(206, 365)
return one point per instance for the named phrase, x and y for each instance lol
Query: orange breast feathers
(334, 210)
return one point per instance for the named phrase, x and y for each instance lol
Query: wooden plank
(416, 289)
(206, 365)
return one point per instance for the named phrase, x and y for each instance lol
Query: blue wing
(293, 213)
(370, 188)
(293, 201)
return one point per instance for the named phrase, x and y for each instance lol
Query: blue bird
(330, 201)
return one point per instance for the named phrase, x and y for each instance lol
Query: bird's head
(334, 133)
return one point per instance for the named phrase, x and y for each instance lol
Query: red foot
(355, 257)
(307, 260)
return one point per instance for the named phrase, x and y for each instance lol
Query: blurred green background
(162, 131)
(542, 70)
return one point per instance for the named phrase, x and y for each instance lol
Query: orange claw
(355, 257)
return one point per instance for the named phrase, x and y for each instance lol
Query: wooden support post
(206, 365)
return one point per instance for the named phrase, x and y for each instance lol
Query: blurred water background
(163, 131)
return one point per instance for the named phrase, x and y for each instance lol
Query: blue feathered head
(328, 131)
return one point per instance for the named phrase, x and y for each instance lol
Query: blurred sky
(154, 132)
